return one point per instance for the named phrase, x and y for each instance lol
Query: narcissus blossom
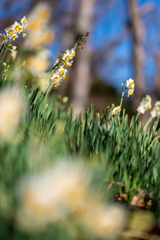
(145, 104)
(156, 110)
(130, 86)
(116, 110)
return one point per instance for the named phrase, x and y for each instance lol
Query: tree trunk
(138, 51)
(77, 83)
(157, 78)
(82, 73)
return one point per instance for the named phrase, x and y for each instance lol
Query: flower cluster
(116, 110)
(156, 110)
(12, 32)
(60, 71)
(145, 104)
(130, 86)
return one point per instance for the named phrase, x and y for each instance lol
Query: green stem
(150, 145)
(5, 51)
(147, 123)
(122, 95)
(1, 48)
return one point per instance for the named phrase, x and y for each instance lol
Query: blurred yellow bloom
(41, 12)
(11, 108)
(106, 221)
(43, 83)
(34, 25)
(38, 63)
(14, 54)
(24, 35)
(65, 99)
(54, 193)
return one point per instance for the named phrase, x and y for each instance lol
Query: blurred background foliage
(59, 174)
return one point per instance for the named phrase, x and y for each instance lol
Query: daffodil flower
(24, 22)
(3, 38)
(145, 104)
(130, 83)
(18, 27)
(116, 110)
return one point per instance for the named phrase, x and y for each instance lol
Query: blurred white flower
(11, 109)
(38, 63)
(145, 104)
(51, 195)
(156, 110)
(106, 221)
(141, 109)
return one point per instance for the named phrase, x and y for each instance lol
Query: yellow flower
(24, 21)
(116, 110)
(3, 38)
(18, 27)
(14, 36)
(130, 83)
(73, 52)
(10, 31)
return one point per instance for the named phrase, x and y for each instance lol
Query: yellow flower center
(10, 31)
(159, 114)
(67, 57)
(55, 83)
(131, 93)
(14, 37)
(61, 71)
(24, 20)
(17, 27)
(56, 78)
(64, 64)
(117, 110)
(149, 107)
(131, 84)
(3, 38)
(74, 53)
(70, 65)
(64, 77)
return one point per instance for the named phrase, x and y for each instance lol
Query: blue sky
(110, 26)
